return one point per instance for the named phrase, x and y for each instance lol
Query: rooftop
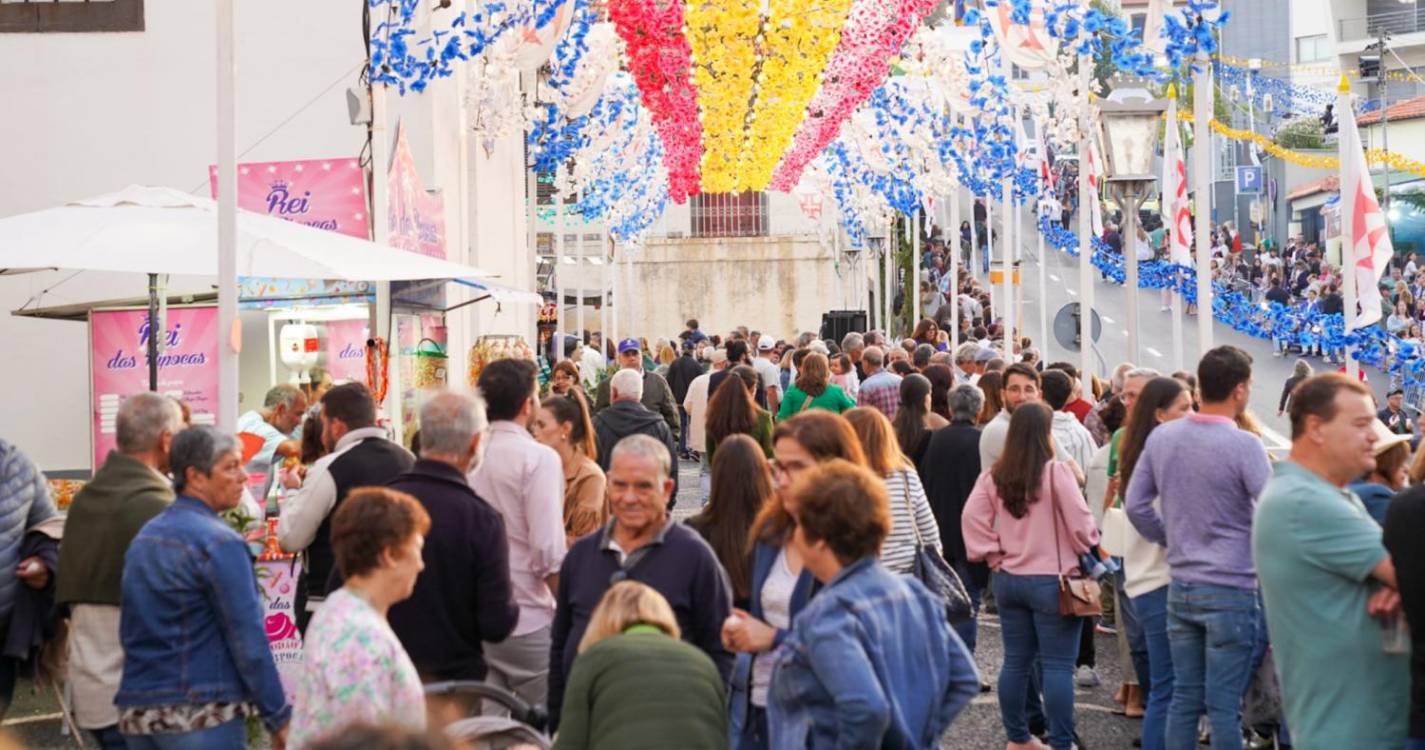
(1406, 109)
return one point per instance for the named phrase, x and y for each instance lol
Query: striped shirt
(906, 496)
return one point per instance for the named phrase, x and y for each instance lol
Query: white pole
(1129, 204)
(888, 273)
(1007, 232)
(1347, 209)
(1043, 289)
(560, 317)
(580, 292)
(1202, 177)
(1086, 288)
(914, 290)
(954, 236)
(227, 222)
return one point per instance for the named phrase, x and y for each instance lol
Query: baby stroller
(498, 720)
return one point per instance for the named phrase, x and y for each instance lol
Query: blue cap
(629, 345)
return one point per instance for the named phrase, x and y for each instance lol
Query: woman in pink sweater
(1028, 520)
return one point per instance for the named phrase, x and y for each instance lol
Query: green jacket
(643, 690)
(833, 399)
(761, 432)
(103, 518)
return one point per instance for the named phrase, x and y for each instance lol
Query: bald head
(873, 358)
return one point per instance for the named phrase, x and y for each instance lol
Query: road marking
(1053, 278)
(1106, 319)
(1153, 352)
(1277, 440)
(1074, 292)
(1125, 332)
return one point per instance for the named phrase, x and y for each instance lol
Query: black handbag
(930, 568)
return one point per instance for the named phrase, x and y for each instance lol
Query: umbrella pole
(153, 332)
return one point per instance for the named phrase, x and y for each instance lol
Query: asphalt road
(1061, 274)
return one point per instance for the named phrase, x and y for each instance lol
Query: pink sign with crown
(323, 193)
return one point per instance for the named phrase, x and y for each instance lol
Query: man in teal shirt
(1326, 577)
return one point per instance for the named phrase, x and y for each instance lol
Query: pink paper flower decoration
(660, 60)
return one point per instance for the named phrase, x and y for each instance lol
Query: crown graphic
(280, 184)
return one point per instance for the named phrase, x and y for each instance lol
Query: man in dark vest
(361, 456)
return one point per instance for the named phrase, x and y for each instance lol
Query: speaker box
(837, 323)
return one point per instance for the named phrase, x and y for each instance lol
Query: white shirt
(591, 363)
(696, 404)
(992, 439)
(253, 422)
(770, 373)
(1072, 438)
(303, 513)
(777, 612)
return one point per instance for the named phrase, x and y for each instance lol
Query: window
(1139, 22)
(1313, 48)
(729, 214)
(33, 16)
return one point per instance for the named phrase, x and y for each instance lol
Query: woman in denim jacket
(781, 584)
(871, 661)
(196, 659)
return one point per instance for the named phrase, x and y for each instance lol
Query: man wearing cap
(770, 374)
(680, 375)
(1394, 414)
(657, 396)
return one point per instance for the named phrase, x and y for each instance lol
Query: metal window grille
(39, 16)
(729, 215)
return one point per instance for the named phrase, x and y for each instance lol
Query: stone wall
(779, 285)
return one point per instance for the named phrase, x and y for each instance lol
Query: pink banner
(346, 350)
(118, 365)
(417, 217)
(277, 580)
(323, 193)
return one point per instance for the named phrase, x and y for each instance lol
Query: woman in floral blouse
(354, 669)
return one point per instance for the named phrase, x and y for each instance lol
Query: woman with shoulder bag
(1028, 520)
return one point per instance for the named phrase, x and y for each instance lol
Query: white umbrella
(144, 229)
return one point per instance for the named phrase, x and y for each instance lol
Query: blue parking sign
(1249, 180)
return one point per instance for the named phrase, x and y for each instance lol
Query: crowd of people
(527, 540)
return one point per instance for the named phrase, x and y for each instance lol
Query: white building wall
(91, 113)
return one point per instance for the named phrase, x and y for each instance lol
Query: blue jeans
(109, 738)
(1152, 611)
(1127, 616)
(1032, 629)
(229, 736)
(1212, 631)
(969, 629)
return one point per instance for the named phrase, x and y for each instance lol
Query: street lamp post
(1130, 120)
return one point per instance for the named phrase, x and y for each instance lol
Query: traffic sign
(1249, 180)
(1066, 326)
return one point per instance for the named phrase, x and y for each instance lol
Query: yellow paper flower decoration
(723, 35)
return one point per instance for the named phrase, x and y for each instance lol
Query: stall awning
(502, 294)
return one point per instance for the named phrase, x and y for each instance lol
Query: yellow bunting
(723, 36)
(1394, 161)
(798, 39)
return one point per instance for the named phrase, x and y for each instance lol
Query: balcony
(1395, 23)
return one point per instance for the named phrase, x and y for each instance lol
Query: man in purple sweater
(1206, 474)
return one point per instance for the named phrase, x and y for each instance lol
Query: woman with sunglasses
(781, 585)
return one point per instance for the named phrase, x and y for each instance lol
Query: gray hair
(966, 352)
(199, 448)
(966, 401)
(1119, 373)
(873, 356)
(449, 421)
(1302, 369)
(285, 394)
(627, 384)
(819, 347)
(852, 341)
(1147, 373)
(645, 446)
(142, 420)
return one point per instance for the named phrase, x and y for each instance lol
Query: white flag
(1366, 247)
(1090, 202)
(1176, 213)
